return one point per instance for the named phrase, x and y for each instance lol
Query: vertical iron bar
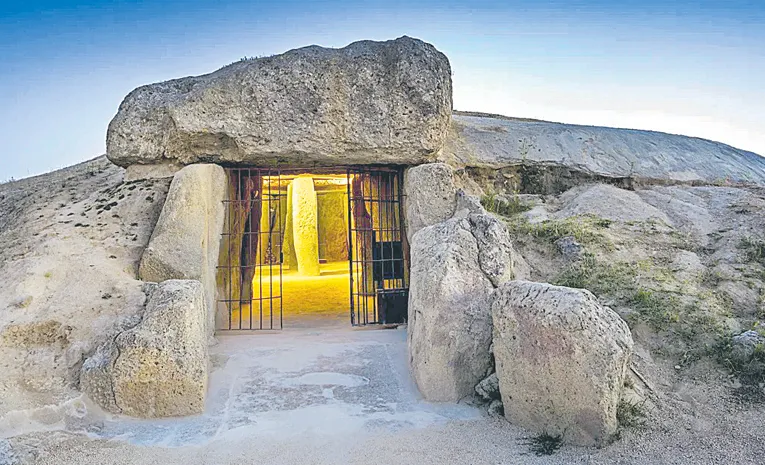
(350, 239)
(240, 194)
(259, 265)
(400, 225)
(270, 262)
(370, 237)
(229, 296)
(381, 285)
(281, 252)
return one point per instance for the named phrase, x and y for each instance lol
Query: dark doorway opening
(324, 242)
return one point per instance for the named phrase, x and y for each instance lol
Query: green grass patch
(597, 277)
(585, 229)
(754, 249)
(507, 208)
(694, 320)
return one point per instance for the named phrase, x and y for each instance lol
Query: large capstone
(561, 359)
(368, 103)
(450, 293)
(185, 243)
(157, 368)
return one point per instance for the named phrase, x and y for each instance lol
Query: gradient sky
(687, 67)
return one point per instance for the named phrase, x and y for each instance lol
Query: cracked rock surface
(157, 368)
(455, 267)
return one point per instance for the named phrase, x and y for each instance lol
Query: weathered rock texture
(488, 389)
(490, 141)
(561, 359)
(430, 196)
(453, 273)
(370, 102)
(610, 202)
(157, 368)
(70, 244)
(186, 240)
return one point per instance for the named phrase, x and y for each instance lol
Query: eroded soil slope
(70, 242)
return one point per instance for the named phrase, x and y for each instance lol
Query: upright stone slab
(288, 245)
(561, 359)
(186, 240)
(157, 368)
(332, 217)
(430, 196)
(455, 266)
(305, 233)
(368, 103)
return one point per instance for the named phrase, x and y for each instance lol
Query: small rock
(496, 409)
(744, 345)
(569, 248)
(488, 389)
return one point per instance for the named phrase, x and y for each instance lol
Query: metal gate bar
(251, 275)
(377, 255)
(253, 253)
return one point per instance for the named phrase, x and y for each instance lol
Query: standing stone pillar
(304, 227)
(288, 245)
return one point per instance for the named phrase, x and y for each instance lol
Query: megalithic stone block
(305, 231)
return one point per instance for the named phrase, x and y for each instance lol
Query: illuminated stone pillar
(304, 229)
(288, 247)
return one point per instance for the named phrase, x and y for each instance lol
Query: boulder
(186, 240)
(493, 141)
(561, 359)
(449, 327)
(430, 196)
(157, 368)
(368, 103)
(609, 202)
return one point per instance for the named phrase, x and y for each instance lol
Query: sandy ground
(323, 393)
(327, 294)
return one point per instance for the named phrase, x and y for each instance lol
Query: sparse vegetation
(509, 207)
(598, 278)
(585, 229)
(545, 444)
(754, 250)
(655, 297)
(750, 372)
(631, 414)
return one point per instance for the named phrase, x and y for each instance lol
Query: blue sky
(693, 68)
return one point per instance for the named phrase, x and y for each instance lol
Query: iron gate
(378, 257)
(250, 277)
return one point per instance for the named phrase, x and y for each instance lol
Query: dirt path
(328, 394)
